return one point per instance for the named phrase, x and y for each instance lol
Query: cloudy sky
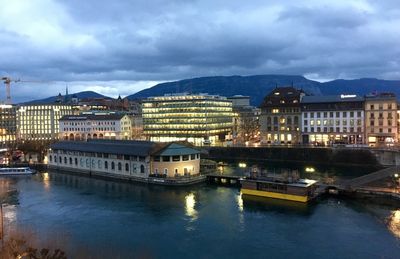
(120, 47)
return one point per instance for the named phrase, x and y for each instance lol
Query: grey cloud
(163, 40)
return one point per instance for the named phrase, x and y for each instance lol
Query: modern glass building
(39, 122)
(199, 119)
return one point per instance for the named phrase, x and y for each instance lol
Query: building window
(165, 171)
(112, 166)
(55, 159)
(99, 164)
(337, 114)
(351, 114)
(166, 158)
(389, 130)
(372, 107)
(51, 158)
(126, 167)
(142, 169)
(105, 165)
(70, 160)
(380, 130)
(192, 156)
(76, 161)
(185, 157)
(389, 106)
(65, 160)
(119, 166)
(305, 122)
(176, 158)
(157, 159)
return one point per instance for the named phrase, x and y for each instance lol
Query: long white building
(169, 163)
(96, 126)
(332, 119)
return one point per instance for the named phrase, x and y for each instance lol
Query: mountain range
(79, 95)
(258, 86)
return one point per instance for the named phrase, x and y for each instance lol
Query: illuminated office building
(199, 119)
(8, 128)
(39, 122)
(332, 119)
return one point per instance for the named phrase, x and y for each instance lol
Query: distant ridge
(258, 86)
(254, 86)
(80, 95)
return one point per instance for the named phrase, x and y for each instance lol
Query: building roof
(127, 147)
(332, 98)
(283, 96)
(99, 117)
(176, 149)
(118, 147)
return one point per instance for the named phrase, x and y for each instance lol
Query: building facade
(381, 119)
(198, 119)
(40, 122)
(328, 120)
(134, 160)
(8, 125)
(280, 116)
(246, 124)
(96, 126)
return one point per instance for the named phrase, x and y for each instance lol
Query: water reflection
(46, 181)
(190, 203)
(239, 201)
(394, 223)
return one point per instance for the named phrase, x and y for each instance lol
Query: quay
(354, 188)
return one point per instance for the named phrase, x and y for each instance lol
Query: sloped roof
(101, 117)
(133, 148)
(127, 147)
(331, 99)
(176, 149)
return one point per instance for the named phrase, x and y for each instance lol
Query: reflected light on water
(190, 203)
(46, 180)
(239, 201)
(394, 223)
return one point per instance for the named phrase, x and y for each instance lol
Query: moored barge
(300, 190)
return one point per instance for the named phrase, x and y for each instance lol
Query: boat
(279, 187)
(16, 171)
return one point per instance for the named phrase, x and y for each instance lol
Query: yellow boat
(301, 190)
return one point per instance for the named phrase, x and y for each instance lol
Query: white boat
(16, 171)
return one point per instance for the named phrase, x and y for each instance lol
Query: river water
(95, 218)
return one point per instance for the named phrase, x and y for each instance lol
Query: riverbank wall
(329, 156)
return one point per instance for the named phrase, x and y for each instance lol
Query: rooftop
(126, 147)
(332, 98)
(100, 117)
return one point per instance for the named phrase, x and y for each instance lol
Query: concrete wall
(339, 156)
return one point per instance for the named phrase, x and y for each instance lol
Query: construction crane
(7, 82)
